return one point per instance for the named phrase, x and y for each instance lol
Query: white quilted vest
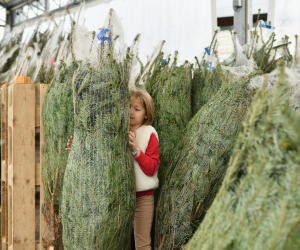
(144, 182)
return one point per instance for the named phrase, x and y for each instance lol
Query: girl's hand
(132, 141)
(69, 144)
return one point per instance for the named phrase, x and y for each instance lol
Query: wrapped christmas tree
(58, 125)
(263, 51)
(99, 188)
(206, 80)
(9, 49)
(173, 113)
(170, 88)
(46, 62)
(257, 206)
(204, 152)
(205, 84)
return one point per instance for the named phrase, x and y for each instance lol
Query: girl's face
(137, 112)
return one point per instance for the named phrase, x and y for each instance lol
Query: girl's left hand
(132, 141)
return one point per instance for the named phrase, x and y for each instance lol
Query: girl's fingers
(131, 137)
(133, 134)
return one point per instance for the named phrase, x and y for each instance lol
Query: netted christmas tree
(151, 73)
(99, 188)
(257, 206)
(202, 160)
(9, 50)
(170, 88)
(263, 51)
(33, 56)
(173, 112)
(58, 121)
(206, 80)
(206, 83)
(58, 126)
(44, 70)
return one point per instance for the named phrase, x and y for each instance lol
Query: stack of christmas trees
(257, 206)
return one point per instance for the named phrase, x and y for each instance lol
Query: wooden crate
(21, 167)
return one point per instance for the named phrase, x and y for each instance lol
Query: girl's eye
(136, 109)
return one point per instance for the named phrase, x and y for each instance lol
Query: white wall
(287, 20)
(224, 7)
(185, 25)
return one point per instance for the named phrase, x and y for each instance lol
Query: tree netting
(205, 84)
(206, 81)
(37, 56)
(257, 206)
(263, 51)
(293, 78)
(170, 88)
(99, 187)
(173, 113)
(44, 70)
(58, 125)
(9, 50)
(202, 160)
(208, 72)
(238, 57)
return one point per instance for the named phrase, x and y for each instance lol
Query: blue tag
(266, 26)
(102, 39)
(164, 61)
(234, 65)
(207, 51)
(102, 33)
(210, 67)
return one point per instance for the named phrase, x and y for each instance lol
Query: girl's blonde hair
(146, 101)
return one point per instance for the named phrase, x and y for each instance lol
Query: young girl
(143, 140)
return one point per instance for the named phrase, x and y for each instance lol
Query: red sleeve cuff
(140, 157)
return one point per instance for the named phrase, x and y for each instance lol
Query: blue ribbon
(102, 39)
(266, 26)
(210, 67)
(207, 51)
(102, 33)
(234, 65)
(164, 61)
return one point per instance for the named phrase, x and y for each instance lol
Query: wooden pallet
(21, 168)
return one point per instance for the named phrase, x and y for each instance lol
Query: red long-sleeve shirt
(149, 161)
